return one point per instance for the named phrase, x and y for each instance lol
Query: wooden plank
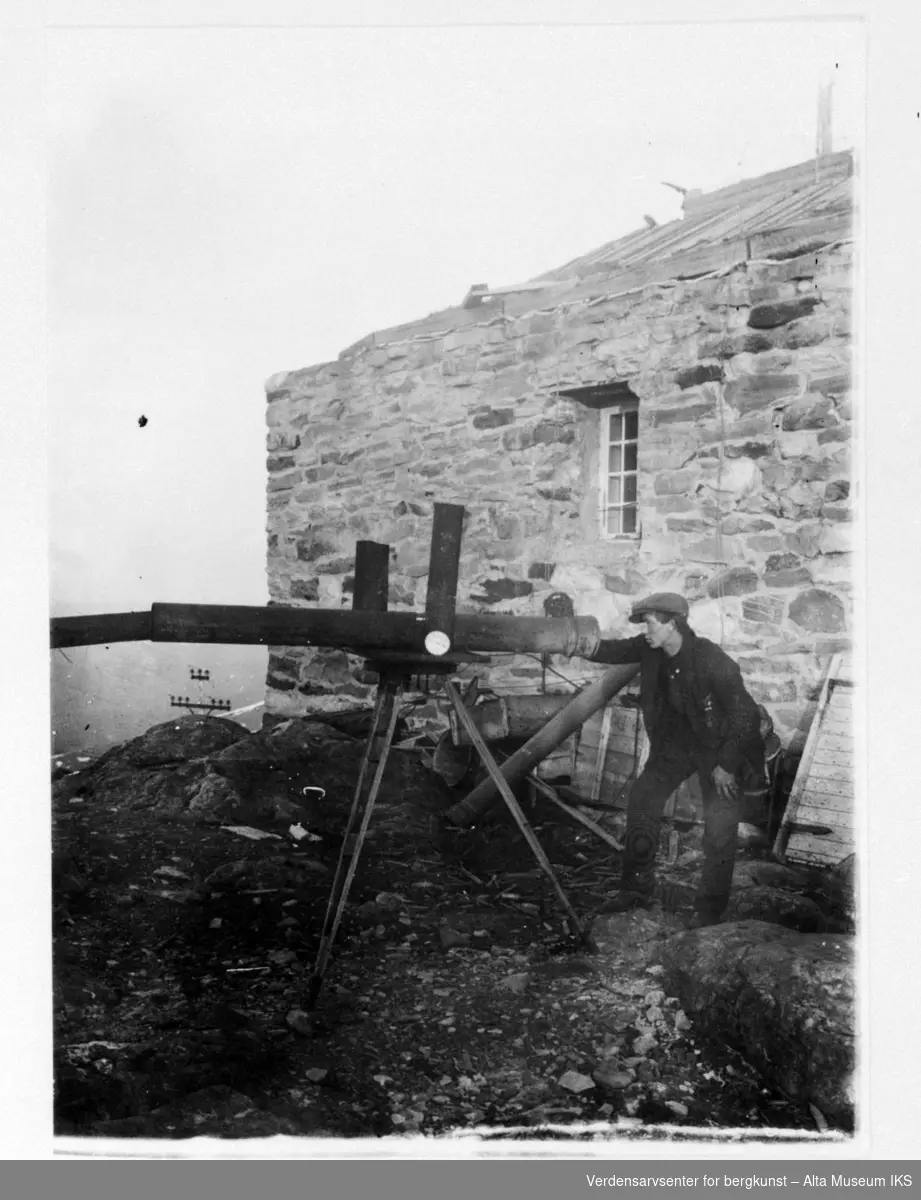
(833, 767)
(838, 744)
(623, 721)
(101, 629)
(444, 566)
(602, 752)
(832, 794)
(372, 583)
(832, 810)
(802, 774)
(827, 787)
(805, 235)
(840, 836)
(829, 757)
(831, 849)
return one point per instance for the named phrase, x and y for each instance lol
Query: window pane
(632, 419)
(629, 522)
(630, 456)
(630, 489)
(614, 521)
(615, 459)
(615, 427)
(614, 489)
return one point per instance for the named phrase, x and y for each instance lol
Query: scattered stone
(615, 1080)
(679, 1109)
(653, 998)
(249, 832)
(573, 1081)
(644, 1043)
(172, 873)
(229, 875)
(317, 1074)
(515, 983)
(682, 1024)
(452, 937)
(282, 958)
(301, 1022)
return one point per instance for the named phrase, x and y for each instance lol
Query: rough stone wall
(746, 500)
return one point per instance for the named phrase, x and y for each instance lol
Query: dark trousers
(661, 776)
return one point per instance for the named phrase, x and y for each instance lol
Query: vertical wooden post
(444, 565)
(372, 578)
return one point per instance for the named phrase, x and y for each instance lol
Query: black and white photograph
(456, 515)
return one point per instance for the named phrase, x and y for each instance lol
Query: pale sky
(224, 204)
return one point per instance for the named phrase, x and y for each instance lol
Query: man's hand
(725, 782)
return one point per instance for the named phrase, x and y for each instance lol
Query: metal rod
(515, 808)
(556, 731)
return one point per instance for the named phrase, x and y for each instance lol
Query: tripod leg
(514, 807)
(377, 721)
(390, 710)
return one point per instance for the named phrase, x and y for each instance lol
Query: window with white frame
(619, 443)
(617, 409)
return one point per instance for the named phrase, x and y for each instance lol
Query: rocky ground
(192, 873)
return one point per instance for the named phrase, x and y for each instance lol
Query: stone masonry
(746, 491)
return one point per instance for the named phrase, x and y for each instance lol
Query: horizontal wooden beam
(100, 630)
(349, 629)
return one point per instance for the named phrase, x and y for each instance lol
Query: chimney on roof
(823, 142)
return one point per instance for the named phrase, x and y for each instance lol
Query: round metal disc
(437, 643)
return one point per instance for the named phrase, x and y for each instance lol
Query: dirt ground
(455, 1002)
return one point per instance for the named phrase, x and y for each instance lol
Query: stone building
(671, 411)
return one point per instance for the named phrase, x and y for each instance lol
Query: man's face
(657, 631)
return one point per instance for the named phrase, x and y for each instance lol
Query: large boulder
(212, 770)
(781, 906)
(179, 740)
(785, 999)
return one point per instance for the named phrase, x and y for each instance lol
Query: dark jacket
(723, 717)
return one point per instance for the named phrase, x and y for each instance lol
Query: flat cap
(666, 602)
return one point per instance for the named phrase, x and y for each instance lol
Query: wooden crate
(612, 751)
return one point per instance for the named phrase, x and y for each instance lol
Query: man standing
(698, 717)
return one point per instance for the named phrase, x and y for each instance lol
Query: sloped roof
(778, 215)
(816, 194)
